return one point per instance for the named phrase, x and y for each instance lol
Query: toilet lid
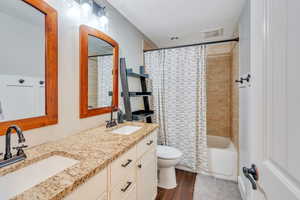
(166, 152)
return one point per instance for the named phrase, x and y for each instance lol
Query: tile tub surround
(94, 148)
(222, 91)
(219, 95)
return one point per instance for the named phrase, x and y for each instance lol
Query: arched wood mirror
(28, 64)
(99, 55)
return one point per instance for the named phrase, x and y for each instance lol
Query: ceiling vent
(213, 33)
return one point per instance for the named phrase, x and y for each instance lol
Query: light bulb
(86, 7)
(103, 20)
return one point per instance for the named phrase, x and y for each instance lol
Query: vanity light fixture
(102, 15)
(87, 5)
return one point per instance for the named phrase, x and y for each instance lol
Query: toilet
(167, 159)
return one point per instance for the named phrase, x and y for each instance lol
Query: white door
(275, 98)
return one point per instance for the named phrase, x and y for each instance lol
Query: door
(147, 176)
(275, 98)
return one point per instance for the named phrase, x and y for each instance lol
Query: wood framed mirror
(28, 64)
(99, 56)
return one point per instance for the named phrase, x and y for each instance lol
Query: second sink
(126, 130)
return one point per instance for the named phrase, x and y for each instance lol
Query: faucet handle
(20, 147)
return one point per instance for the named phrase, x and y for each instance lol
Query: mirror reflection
(22, 61)
(100, 66)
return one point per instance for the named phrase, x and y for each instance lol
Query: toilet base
(167, 178)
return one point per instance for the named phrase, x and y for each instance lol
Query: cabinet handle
(126, 164)
(127, 186)
(150, 142)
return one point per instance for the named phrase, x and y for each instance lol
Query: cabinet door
(147, 176)
(92, 189)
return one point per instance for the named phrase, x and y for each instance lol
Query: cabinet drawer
(125, 187)
(122, 166)
(132, 195)
(92, 189)
(146, 144)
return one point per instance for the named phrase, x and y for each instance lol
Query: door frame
(259, 75)
(257, 97)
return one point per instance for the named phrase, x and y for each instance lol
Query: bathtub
(222, 158)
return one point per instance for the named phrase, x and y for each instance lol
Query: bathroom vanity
(97, 164)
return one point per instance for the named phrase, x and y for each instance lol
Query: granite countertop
(95, 149)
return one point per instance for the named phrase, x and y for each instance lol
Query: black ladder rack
(139, 114)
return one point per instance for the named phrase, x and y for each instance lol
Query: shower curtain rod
(197, 44)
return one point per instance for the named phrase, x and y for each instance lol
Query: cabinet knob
(140, 166)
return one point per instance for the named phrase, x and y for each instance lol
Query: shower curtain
(178, 82)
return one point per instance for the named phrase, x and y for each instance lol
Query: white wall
(131, 47)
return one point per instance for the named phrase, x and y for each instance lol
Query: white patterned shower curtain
(178, 81)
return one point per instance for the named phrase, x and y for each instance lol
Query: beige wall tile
(235, 96)
(219, 95)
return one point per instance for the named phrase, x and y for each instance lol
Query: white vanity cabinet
(147, 168)
(147, 176)
(94, 189)
(133, 176)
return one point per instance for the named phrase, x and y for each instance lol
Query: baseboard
(242, 187)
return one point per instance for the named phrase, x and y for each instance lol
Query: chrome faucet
(8, 157)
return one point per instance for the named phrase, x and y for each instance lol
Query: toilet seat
(168, 153)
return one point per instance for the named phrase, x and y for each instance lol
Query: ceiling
(186, 19)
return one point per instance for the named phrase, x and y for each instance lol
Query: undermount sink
(126, 130)
(17, 182)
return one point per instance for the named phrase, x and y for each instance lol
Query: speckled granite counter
(94, 148)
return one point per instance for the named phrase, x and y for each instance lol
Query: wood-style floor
(184, 189)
